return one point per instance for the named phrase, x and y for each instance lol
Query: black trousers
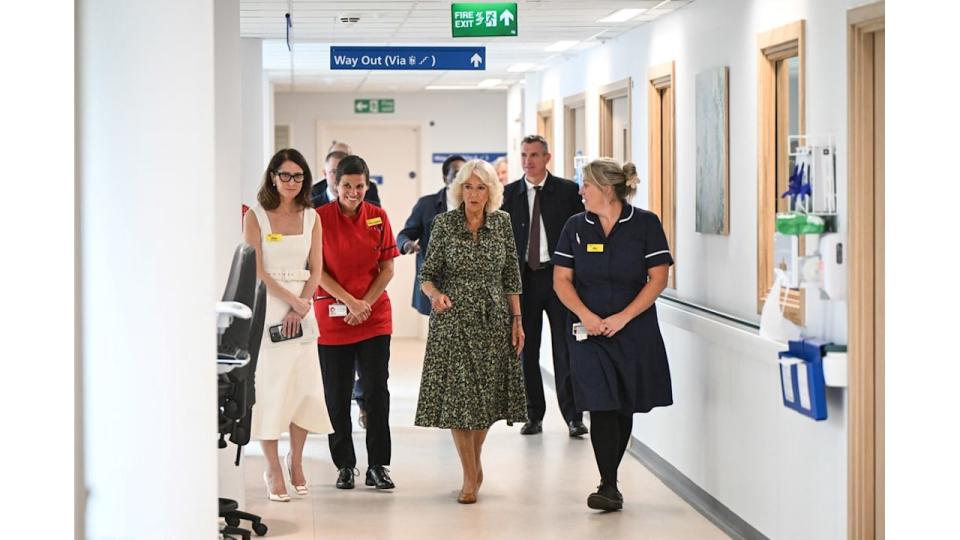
(539, 296)
(371, 358)
(609, 434)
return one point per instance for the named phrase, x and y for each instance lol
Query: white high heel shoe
(275, 497)
(301, 490)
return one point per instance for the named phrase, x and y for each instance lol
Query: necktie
(533, 245)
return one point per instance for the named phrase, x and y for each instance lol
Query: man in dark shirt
(539, 205)
(415, 236)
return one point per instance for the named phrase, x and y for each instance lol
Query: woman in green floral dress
(471, 372)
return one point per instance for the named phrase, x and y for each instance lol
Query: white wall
(229, 187)
(256, 117)
(728, 430)
(462, 122)
(718, 271)
(515, 129)
(146, 189)
(227, 113)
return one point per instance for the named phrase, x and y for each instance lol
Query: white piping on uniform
(628, 217)
(564, 254)
(658, 253)
(578, 237)
(586, 217)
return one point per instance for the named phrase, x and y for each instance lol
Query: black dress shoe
(531, 428)
(577, 429)
(345, 478)
(607, 498)
(379, 477)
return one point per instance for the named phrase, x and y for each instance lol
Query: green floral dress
(471, 373)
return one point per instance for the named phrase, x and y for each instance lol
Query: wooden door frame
(545, 114)
(774, 46)
(661, 194)
(570, 104)
(605, 96)
(865, 431)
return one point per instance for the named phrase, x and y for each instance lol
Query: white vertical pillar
(229, 182)
(146, 188)
(229, 187)
(253, 117)
(515, 131)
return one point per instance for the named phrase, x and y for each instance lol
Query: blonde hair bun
(630, 174)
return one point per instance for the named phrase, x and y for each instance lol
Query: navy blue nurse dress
(627, 372)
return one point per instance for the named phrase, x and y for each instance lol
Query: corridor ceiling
(319, 23)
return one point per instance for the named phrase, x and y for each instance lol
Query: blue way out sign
(409, 58)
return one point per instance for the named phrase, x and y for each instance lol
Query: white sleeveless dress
(289, 385)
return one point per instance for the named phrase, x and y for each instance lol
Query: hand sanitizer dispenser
(833, 266)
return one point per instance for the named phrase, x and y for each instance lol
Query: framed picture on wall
(713, 151)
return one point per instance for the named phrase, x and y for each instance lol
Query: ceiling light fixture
(520, 67)
(622, 15)
(450, 87)
(561, 46)
(489, 83)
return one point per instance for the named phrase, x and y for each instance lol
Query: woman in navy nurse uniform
(611, 263)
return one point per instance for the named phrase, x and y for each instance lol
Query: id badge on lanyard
(337, 309)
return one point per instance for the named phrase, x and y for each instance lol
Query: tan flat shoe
(467, 498)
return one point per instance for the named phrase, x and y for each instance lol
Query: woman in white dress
(286, 234)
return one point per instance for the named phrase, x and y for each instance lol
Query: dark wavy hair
(353, 164)
(268, 196)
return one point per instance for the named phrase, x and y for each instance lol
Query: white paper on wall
(786, 379)
(804, 388)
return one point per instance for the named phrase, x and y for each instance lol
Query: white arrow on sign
(506, 17)
(476, 60)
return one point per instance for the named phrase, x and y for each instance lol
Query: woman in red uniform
(353, 312)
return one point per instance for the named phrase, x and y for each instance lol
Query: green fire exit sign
(374, 106)
(477, 19)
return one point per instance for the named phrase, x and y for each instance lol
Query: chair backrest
(241, 287)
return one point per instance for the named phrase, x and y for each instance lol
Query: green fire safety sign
(374, 106)
(477, 19)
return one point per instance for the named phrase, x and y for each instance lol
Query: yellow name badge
(373, 222)
(274, 237)
(594, 248)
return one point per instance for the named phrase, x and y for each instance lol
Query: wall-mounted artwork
(713, 151)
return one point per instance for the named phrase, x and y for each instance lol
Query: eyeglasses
(286, 177)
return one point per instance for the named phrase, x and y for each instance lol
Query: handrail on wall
(705, 310)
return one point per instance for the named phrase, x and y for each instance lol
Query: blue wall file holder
(801, 378)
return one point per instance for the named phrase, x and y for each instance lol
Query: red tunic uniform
(353, 248)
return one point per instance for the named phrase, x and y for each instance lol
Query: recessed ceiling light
(622, 15)
(449, 87)
(561, 46)
(520, 67)
(489, 83)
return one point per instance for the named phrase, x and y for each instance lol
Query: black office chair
(238, 346)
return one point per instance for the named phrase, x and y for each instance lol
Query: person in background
(502, 169)
(325, 191)
(415, 236)
(471, 372)
(287, 237)
(340, 146)
(611, 264)
(354, 314)
(539, 204)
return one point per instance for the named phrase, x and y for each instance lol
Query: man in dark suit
(324, 191)
(539, 205)
(415, 236)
